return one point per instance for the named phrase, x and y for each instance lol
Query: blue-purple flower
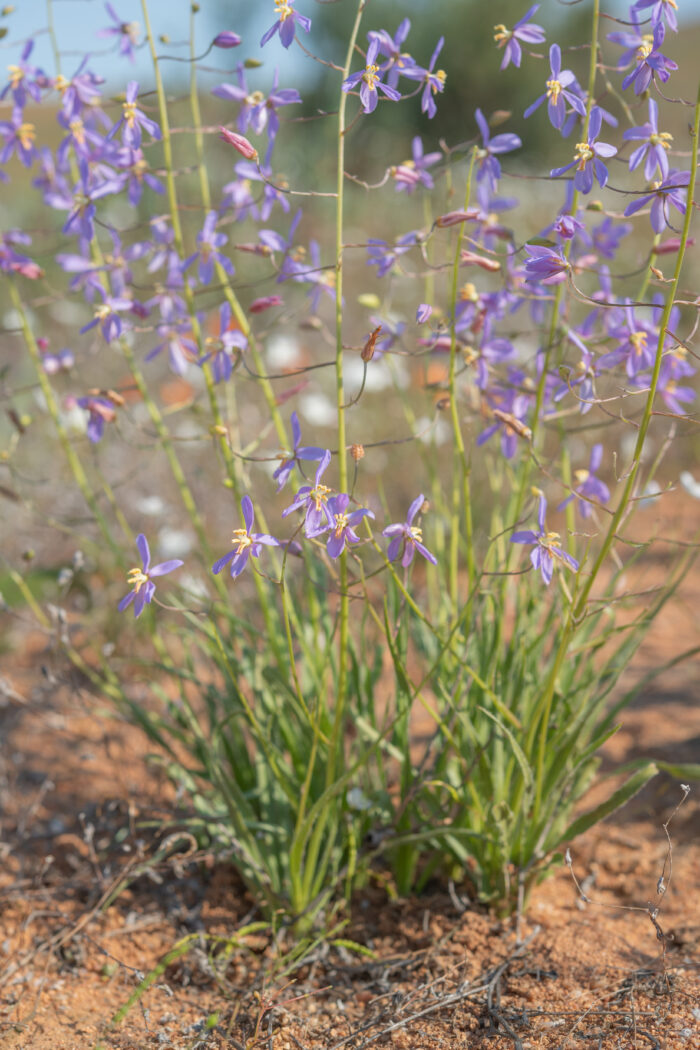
(127, 32)
(655, 143)
(414, 172)
(546, 546)
(298, 454)
(434, 81)
(557, 94)
(221, 348)
(650, 62)
(489, 170)
(389, 46)
(141, 579)
(133, 120)
(406, 535)
(509, 39)
(588, 161)
(669, 191)
(384, 256)
(314, 500)
(245, 543)
(209, 243)
(588, 487)
(341, 524)
(370, 79)
(100, 411)
(660, 9)
(19, 138)
(286, 23)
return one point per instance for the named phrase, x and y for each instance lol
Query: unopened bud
(218, 430)
(8, 9)
(370, 300)
(28, 554)
(164, 38)
(442, 404)
(657, 273)
(368, 348)
(239, 143)
(671, 245)
(453, 218)
(472, 259)
(115, 398)
(226, 39)
(357, 452)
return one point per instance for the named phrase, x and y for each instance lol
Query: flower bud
(357, 452)
(258, 305)
(239, 143)
(423, 313)
(226, 39)
(368, 348)
(472, 259)
(453, 218)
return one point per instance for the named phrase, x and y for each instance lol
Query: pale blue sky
(78, 20)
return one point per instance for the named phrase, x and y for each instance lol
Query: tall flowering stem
(340, 398)
(465, 494)
(578, 608)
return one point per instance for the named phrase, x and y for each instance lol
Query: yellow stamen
(319, 495)
(341, 522)
(26, 133)
(284, 10)
(553, 89)
(136, 579)
(241, 540)
(639, 342)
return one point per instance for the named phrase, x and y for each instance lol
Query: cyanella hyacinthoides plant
(467, 397)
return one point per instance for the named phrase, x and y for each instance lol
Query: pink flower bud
(453, 218)
(670, 245)
(472, 259)
(258, 305)
(240, 143)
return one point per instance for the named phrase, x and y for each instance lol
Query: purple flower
(80, 93)
(546, 546)
(489, 170)
(409, 536)
(433, 82)
(556, 92)
(133, 120)
(298, 453)
(588, 485)
(245, 543)
(209, 243)
(128, 33)
(398, 60)
(19, 138)
(384, 257)
(257, 111)
(134, 170)
(314, 500)
(140, 579)
(182, 349)
(524, 30)
(221, 348)
(669, 191)
(100, 411)
(674, 366)
(24, 79)
(342, 524)
(414, 172)
(423, 313)
(285, 24)
(654, 145)
(62, 361)
(107, 315)
(660, 9)
(369, 79)
(650, 62)
(546, 265)
(587, 160)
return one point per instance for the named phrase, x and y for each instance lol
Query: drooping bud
(239, 143)
(368, 348)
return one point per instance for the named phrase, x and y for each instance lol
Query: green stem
(53, 409)
(344, 611)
